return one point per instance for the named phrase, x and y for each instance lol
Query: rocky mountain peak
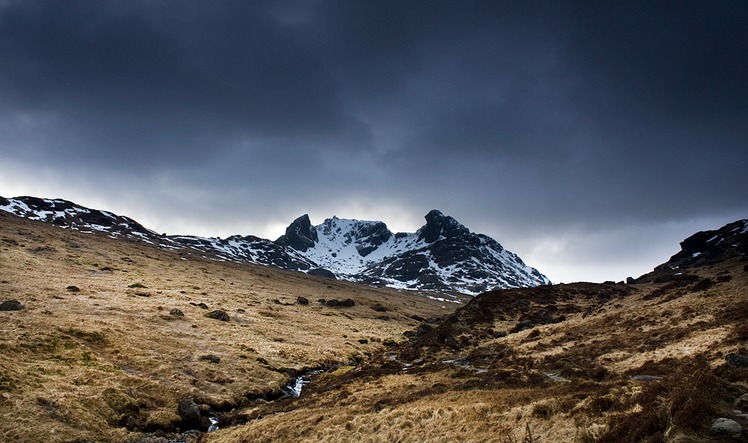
(442, 255)
(300, 234)
(440, 225)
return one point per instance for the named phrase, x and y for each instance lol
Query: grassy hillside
(607, 363)
(98, 354)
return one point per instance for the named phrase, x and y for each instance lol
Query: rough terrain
(110, 340)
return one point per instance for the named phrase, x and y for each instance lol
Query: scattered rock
(302, 300)
(363, 341)
(137, 286)
(200, 305)
(379, 308)
(534, 334)
(189, 411)
(737, 360)
(176, 312)
(130, 423)
(335, 303)
(741, 403)
(521, 326)
(218, 315)
(205, 422)
(423, 329)
(72, 288)
(725, 426)
(11, 305)
(450, 341)
(703, 285)
(499, 334)
(210, 358)
(322, 272)
(557, 378)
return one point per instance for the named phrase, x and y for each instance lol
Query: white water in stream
(213, 424)
(294, 389)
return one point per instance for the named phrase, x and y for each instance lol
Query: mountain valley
(129, 339)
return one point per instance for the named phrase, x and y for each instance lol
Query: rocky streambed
(198, 419)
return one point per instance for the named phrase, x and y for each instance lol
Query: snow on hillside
(342, 241)
(442, 255)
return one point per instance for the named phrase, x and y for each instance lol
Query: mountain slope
(653, 361)
(106, 340)
(442, 255)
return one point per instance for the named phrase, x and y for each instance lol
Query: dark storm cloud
(540, 117)
(134, 80)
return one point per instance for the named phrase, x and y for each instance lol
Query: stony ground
(646, 362)
(118, 341)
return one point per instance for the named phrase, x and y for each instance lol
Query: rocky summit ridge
(443, 255)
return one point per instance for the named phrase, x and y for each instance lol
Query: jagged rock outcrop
(438, 225)
(300, 234)
(709, 247)
(702, 249)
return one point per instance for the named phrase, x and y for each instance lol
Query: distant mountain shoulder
(443, 255)
(704, 248)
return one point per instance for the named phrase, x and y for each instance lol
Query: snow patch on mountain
(442, 255)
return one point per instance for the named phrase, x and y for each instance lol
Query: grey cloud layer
(542, 114)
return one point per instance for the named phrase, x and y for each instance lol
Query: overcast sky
(587, 137)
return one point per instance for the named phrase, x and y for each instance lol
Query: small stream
(291, 390)
(294, 388)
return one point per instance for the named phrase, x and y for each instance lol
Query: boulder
(218, 315)
(176, 312)
(322, 272)
(737, 360)
(423, 329)
(189, 411)
(335, 303)
(11, 305)
(210, 358)
(521, 326)
(726, 427)
(741, 403)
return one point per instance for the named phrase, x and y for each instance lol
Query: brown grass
(108, 362)
(92, 362)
